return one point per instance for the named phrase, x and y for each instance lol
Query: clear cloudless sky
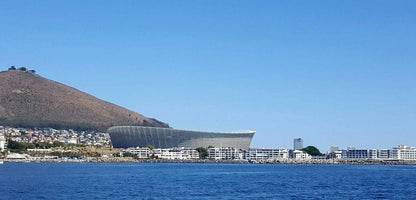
(331, 72)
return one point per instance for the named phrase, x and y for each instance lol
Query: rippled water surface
(205, 181)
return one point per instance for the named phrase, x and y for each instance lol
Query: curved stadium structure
(140, 136)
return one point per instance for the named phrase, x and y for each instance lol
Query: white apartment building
(266, 154)
(170, 154)
(403, 152)
(176, 153)
(2, 139)
(2, 144)
(224, 153)
(189, 153)
(300, 155)
(141, 153)
(337, 154)
(40, 150)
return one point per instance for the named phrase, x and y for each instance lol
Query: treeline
(23, 69)
(14, 146)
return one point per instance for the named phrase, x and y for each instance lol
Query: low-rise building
(361, 154)
(403, 152)
(266, 154)
(385, 154)
(176, 153)
(40, 150)
(337, 154)
(224, 153)
(300, 155)
(2, 139)
(169, 154)
(2, 144)
(139, 152)
(16, 156)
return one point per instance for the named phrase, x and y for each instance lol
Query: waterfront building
(176, 153)
(189, 153)
(169, 154)
(16, 156)
(2, 144)
(2, 139)
(337, 154)
(141, 153)
(134, 136)
(300, 155)
(266, 154)
(40, 150)
(297, 144)
(385, 154)
(323, 157)
(333, 149)
(224, 153)
(361, 154)
(403, 152)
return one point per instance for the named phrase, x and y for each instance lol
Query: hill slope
(29, 100)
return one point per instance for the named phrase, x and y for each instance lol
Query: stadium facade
(140, 136)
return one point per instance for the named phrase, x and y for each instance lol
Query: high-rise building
(297, 144)
(333, 149)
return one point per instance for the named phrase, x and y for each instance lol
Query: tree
(153, 156)
(19, 146)
(210, 147)
(13, 145)
(313, 151)
(22, 69)
(203, 153)
(128, 154)
(12, 68)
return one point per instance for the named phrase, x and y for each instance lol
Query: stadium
(140, 136)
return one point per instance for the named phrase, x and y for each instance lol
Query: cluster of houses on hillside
(50, 135)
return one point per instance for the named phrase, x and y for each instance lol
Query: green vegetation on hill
(313, 151)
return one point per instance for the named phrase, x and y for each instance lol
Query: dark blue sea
(205, 181)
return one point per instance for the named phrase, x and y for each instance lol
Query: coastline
(271, 162)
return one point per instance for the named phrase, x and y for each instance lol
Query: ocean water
(204, 181)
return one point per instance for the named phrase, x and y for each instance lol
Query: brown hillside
(29, 100)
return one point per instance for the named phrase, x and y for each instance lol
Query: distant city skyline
(332, 73)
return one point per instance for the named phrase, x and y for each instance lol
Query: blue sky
(332, 72)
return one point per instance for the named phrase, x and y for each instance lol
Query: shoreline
(267, 162)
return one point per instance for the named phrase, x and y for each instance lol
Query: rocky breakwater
(113, 160)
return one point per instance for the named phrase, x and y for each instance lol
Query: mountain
(29, 100)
